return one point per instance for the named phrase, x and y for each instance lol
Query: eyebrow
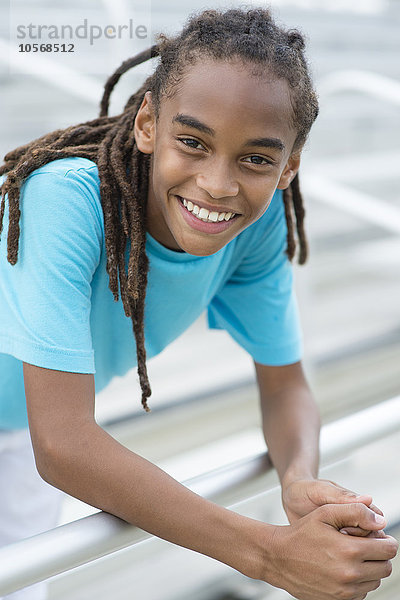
(194, 123)
(275, 143)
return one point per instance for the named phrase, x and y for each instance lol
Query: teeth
(205, 215)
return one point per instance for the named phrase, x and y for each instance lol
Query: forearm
(291, 426)
(105, 474)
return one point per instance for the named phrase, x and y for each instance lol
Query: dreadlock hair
(249, 35)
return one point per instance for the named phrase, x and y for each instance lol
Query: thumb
(351, 515)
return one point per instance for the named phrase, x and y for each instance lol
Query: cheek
(170, 168)
(259, 198)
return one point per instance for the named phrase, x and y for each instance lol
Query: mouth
(207, 213)
(202, 219)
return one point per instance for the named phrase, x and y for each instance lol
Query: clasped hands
(301, 496)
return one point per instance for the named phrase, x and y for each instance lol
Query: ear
(289, 171)
(145, 125)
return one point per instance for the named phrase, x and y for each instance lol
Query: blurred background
(204, 403)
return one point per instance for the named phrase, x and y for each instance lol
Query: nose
(217, 180)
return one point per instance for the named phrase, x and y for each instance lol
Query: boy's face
(222, 142)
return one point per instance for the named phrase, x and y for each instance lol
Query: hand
(302, 496)
(311, 561)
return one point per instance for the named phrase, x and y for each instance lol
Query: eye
(258, 160)
(191, 143)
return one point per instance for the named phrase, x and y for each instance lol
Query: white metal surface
(365, 82)
(343, 197)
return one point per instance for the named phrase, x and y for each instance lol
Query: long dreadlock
(124, 171)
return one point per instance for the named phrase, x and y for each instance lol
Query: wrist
(293, 474)
(255, 549)
(269, 543)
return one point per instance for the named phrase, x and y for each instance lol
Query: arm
(73, 453)
(291, 427)
(290, 421)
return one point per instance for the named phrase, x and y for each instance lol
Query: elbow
(48, 463)
(60, 457)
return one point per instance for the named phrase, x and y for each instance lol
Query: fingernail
(379, 519)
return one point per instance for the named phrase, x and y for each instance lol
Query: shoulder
(74, 166)
(62, 185)
(74, 171)
(63, 194)
(80, 175)
(67, 167)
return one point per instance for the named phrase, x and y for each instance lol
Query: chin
(200, 250)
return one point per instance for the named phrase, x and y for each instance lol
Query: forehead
(231, 98)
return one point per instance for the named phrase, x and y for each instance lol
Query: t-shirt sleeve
(257, 304)
(45, 297)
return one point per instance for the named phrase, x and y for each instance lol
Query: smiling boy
(218, 130)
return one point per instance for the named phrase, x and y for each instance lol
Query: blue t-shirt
(57, 311)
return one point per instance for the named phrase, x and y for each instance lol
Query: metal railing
(346, 198)
(357, 80)
(63, 548)
(340, 195)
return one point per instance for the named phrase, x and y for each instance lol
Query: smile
(202, 219)
(203, 214)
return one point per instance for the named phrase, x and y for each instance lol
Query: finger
(357, 531)
(377, 534)
(349, 494)
(327, 494)
(375, 569)
(364, 588)
(375, 509)
(360, 497)
(340, 494)
(375, 549)
(355, 514)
